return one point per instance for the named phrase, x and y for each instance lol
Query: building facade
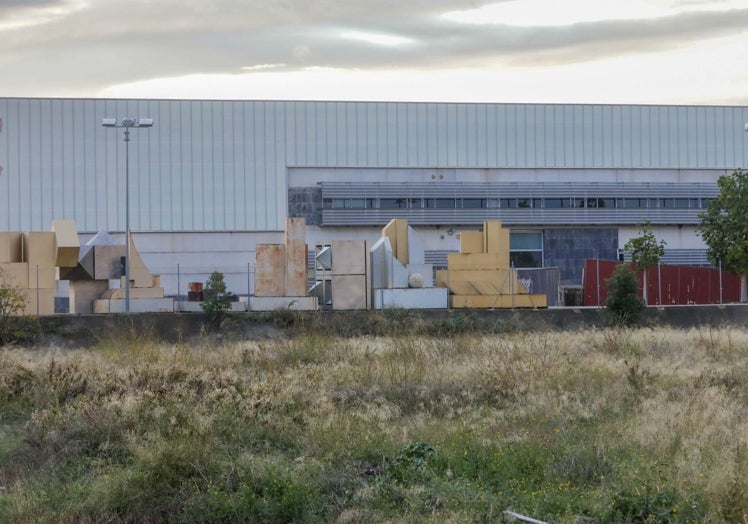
(211, 179)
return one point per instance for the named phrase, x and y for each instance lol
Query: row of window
(516, 203)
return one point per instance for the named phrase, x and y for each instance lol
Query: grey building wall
(568, 248)
(222, 165)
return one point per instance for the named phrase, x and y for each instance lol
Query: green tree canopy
(724, 227)
(646, 251)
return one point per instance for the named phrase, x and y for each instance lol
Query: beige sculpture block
(498, 301)
(40, 302)
(42, 277)
(493, 236)
(17, 273)
(349, 292)
(10, 248)
(83, 293)
(471, 242)
(67, 245)
(397, 232)
(503, 280)
(349, 257)
(106, 261)
(135, 292)
(270, 270)
(139, 274)
(456, 261)
(296, 258)
(39, 248)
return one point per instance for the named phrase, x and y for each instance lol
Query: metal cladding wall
(222, 165)
(679, 285)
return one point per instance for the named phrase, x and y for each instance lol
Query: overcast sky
(575, 51)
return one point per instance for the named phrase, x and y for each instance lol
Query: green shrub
(216, 300)
(14, 327)
(623, 307)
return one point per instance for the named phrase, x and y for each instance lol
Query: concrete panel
(197, 307)
(40, 302)
(349, 292)
(42, 277)
(138, 305)
(425, 270)
(399, 274)
(457, 261)
(39, 248)
(296, 257)
(272, 303)
(10, 247)
(498, 301)
(270, 270)
(349, 257)
(502, 279)
(416, 247)
(432, 298)
(381, 262)
(83, 293)
(107, 261)
(140, 276)
(67, 245)
(135, 292)
(397, 231)
(17, 273)
(471, 242)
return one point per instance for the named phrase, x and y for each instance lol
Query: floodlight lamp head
(745, 127)
(109, 122)
(145, 122)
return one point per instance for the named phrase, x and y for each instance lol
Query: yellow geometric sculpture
(481, 276)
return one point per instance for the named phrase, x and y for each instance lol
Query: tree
(216, 300)
(724, 227)
(14, 327)
(646, 252)
(623, 307)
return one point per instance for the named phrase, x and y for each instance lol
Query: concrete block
(138, 305)
(471, 242)
(504, 280)
(416, 249)
(423, 298)
(273, 303)
(425, 270)
(10, 248)
(270, 270)
(139, 274)
(83, 293)
(349, 257)
(106, 261)
(323, 258)
(399, 274)
(39, 248)
(456, 261)
(486, 288)
(498, 301)
(349, 291)
(40, 302)
(42, 277)
(381, 261)
(397, 232)
(492, 236)
(135, 292)
(296, 257)
(67, 245)
(17, 273)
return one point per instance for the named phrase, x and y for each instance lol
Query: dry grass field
(604, 425)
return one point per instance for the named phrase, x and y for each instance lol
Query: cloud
(85, 46)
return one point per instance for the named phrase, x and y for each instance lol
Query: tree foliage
(623, 306)
(724, 226)
(216, 300)
(646, 251)
(14, 327)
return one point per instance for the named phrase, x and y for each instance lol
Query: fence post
(720, 281)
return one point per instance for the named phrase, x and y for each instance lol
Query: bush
(216, 300)
(14, 327)
(623, 306)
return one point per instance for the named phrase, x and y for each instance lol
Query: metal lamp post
(127, 123)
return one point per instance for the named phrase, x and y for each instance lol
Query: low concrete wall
(85, 329)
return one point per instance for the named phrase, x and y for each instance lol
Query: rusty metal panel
(270, 270)
(296, 257)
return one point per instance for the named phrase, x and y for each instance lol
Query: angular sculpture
(481, 276)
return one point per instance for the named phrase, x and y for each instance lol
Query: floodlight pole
(127, 123)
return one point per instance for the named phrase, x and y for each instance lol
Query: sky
(510, 51)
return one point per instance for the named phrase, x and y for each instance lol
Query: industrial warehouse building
(212, 179)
